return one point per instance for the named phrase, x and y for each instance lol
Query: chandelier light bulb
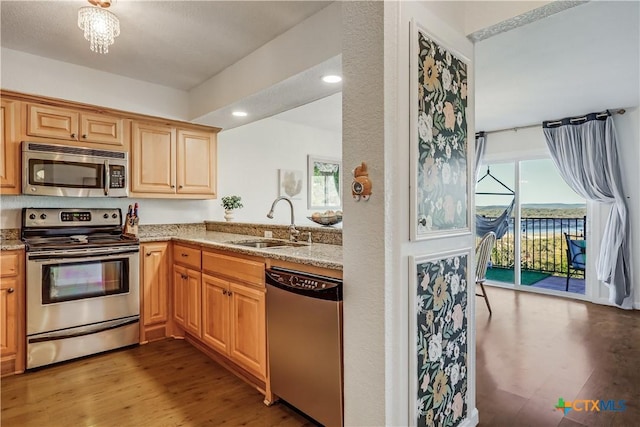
(100, 27)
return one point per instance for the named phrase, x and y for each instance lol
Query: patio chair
(483, 253)
(576, 255)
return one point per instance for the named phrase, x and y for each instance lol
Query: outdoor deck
(535, 279)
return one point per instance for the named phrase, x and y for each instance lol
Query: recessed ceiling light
(239, 114)
(332, 79)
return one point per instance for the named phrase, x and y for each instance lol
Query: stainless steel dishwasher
(304, 332)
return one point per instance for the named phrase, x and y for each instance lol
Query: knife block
(130, 228)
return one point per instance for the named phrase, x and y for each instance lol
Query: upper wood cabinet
(166, 160)
(12, 312)
(10, 147)
(61, 123)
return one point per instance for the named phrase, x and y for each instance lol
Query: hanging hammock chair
(499, 225)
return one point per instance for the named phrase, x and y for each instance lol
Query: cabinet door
(179, 295)
(193, 322)
(10, 148)
(153, 158)
(102, 129)
(196, 165)
(9, 316)
(52, 122)
(215, 313)
(248, 326)
(155, 278)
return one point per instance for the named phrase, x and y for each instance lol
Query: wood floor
(536, 349)
(167, 383)
(532, 351)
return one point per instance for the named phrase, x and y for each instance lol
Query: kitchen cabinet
(10, 147)
(166, 160)
(73, 125)
(233, 310)
(233, 319)
(187, 289)
(12, 312)
(154, 269)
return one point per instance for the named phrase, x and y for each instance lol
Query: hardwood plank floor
(166, 383)
(536, 349)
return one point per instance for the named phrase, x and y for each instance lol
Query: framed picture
(440, 170)
(439, 362)
(290, 183)
(324, 183)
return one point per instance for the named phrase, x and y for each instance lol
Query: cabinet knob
(229, 293)
(173, 186)
(84, 136)
(148, 253)
(73, 135)
(184, 255)
(179, 186)
(224, 292)
(11, 290)
(184, 276)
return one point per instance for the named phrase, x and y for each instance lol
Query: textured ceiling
(177, 44)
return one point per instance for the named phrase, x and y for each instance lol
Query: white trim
(471, 421)
(542, 291)
(414, 260)
(414, 235)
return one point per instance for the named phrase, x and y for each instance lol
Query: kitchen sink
(265, 243)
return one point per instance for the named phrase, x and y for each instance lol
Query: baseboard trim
(472, 420)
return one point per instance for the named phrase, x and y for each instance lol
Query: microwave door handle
(107, 178)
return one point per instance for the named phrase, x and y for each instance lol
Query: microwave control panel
(117, 178)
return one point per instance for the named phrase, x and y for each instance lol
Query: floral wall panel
(441, 294)
(439, 149)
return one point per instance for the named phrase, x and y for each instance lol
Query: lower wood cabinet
(12, 312)
(187, 299)
(233, 319)
(154, 299)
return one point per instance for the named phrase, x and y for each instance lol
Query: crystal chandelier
(100, 26)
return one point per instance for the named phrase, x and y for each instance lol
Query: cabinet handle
(173, 186)
(224, 292)
(148, 253)
(73, 135)
(184, 276)
(179, 186)
(11, 290)
(229, 293)
(184, 255)
(84, 136)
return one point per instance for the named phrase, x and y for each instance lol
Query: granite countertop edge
(317, 255)
(11, 245)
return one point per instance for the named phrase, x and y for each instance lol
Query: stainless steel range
(82, 283)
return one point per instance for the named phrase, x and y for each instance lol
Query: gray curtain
(585, 152)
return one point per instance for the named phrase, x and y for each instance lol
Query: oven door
(70, 288)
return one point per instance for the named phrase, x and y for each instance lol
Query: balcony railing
(542, 244)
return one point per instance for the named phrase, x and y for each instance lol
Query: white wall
(23, 72)
(250, 157)
(376, 233)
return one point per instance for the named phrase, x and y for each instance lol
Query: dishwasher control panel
(300, 281)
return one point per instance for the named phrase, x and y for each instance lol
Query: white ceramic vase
(228, 214)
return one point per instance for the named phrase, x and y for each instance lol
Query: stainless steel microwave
(62, 170)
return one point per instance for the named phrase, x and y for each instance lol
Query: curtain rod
(517, 128)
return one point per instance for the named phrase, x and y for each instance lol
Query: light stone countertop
(317, 254)
(11, 244)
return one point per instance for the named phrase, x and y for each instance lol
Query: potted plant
(229, 203)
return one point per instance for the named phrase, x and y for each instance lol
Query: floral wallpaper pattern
(442, 139)
(442, 342)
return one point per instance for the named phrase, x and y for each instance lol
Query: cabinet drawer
(187, 256)
(236, 268)
(9, 263)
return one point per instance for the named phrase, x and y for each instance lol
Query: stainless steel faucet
(293, 233)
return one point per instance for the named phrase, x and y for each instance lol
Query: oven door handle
(79, 257)
(80, 332)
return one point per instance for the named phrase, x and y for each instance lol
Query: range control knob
(114, 216)
(32, 216)
(43, 216)
(105, 216)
